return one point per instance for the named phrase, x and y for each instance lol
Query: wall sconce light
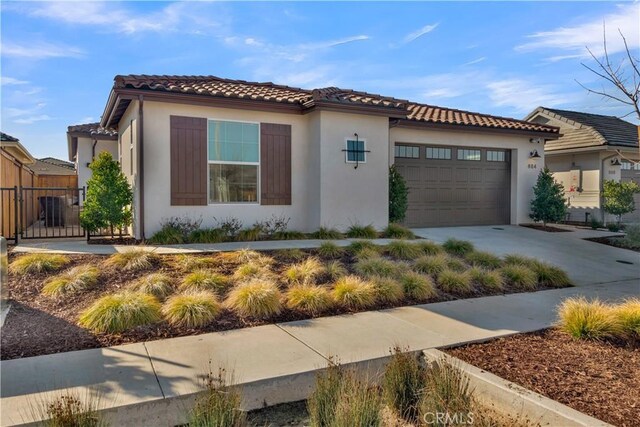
(616, 162)
(536, 140)
(534, 154)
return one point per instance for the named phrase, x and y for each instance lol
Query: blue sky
(59, 58)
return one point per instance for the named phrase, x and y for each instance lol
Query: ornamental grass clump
(258, 298)
(188, 263)
(330, 250)
(191, 309)
(387, 289)
(550, 275)
(458, 247)
(520, 276)
(377, 266)
(326, 394)
(325, 233)
(488, 279)
(354, 293)
(628, 316)
(69, 410)
(362, 232)
(205, 280)
(431, 264)
(400, 249)
(132, 260)
(418, 286)
(292, 254)
(303, 273)
(593, 319)
(515, 259)
(359, 404)
(446, 391)
(72, 281)
(397, 231)
(455, 282)
(159, 285)
(219, 405)
(357, 246)
(402, 384)
(309, 299)
(252, 270)
(334, 270)
(483, 259)
(429, 248)
(38, 263)
(456, 264)
(120, 312)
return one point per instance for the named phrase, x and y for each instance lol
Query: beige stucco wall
(84, 156)
(524, 171)
(128, 154)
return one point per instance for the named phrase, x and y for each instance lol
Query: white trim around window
(364, 148)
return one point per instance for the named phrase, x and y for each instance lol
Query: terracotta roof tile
(92, 129)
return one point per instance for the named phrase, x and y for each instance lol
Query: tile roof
(305, 99)
(609, 130)
(93, 129)
(7, 138)
(52, 166)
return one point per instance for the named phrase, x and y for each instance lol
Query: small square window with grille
(465, 154)
(407, 151)
(438, 153)
(356, 151)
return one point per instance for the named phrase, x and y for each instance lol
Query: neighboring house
(14, 173)
(592, 148)
(54, 172)
(212, 148)
(85, 142)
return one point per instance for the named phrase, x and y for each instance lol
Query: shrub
(249, 234)
(619, 197)
(429, 248)
(549, 203)
(326, 394)
(483, 259)
(455, 282)
(167, 235)
(520, 276)
(418, 286)
(229, 226)
(204, 280)
(330, 250)
(387, 290)
(275, 225)
(515, 259)
(334, 270)
(191, 309)
(119, 312)
(159, 285)
(72, 281)
(581, 318)
(595, 224)
(219, 406)
(362, 232)
(457, 247)
(550, 275)
(358, 246)
(402, 250)
(325, 233)
(189, 262)
(628, 315)
(489, 279)
(289, 235)
(377, 266)
(68, 410)
(38, 263)
(359, 404)
(207, 235)
(132, 260)
(259, 298)
(398, 196)
(614, 227)
(432, 264)
(303, 273)
(353, 292)
(175, 230)
(632, 236)
(402, 384)
(293, 254)
(308, 298)
(397, 231)
(251, 270)
(446, 390)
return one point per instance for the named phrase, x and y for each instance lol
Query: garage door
(631, 172)
(451, 186)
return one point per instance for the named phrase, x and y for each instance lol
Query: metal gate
(9, 206)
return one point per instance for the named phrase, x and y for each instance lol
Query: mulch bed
(549, 229)
(38, 325)
(124, 240)
(601, 379)
(616, 241)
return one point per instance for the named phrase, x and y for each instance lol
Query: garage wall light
(616, 162)
(536, 140)
(534, 154)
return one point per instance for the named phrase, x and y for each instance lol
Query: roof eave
(375, 110)
(408, 123)
(18, 151)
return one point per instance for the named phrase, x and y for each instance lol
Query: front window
(233, 161)
(356, 151)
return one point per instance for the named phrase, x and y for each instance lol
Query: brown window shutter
(188, 161)
(275, 164)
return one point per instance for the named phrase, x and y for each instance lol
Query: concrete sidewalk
(280, 360)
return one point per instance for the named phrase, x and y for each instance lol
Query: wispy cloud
(571, 41)
(420, 32)
(41, 50)
(32, 119)
(476, 61)
(10, 81)
(522, 95)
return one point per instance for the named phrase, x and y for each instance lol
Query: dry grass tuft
(159, 285)
(119, 312)
(191, 309)
(402, 384)
(628, 315)
(259, 298)
(132, 260)
(188, 263)
(205, 280)
(73, 281)
(418, 286)
(303, 273)
(309, 299)
(335, 270)
(38, 263)
(387, 289)
(252, 270)
(353, 292)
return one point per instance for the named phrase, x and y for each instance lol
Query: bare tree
(621, 81)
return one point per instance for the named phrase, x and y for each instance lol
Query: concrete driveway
(586, 262)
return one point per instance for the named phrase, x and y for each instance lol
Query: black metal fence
(50, 212)
(9, 206)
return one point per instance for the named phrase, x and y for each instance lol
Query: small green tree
(618, 198)
(109, 196)
(398, 196)
(548, 204)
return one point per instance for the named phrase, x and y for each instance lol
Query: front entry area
(455, 186)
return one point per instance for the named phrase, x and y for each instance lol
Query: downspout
(141, 162)
(93, 150)
(602, 184)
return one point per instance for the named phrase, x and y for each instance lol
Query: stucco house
(592, 148)
(85, 142)
(213, 148)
